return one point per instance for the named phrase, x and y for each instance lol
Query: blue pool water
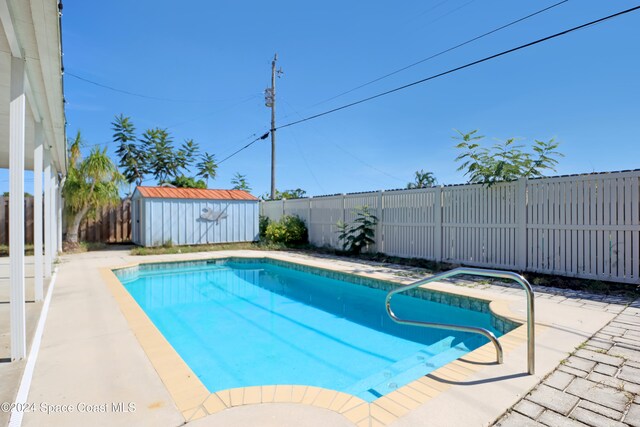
(246, 324)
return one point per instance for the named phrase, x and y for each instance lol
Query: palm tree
(207, 168)
(91, 184)
(423, 179)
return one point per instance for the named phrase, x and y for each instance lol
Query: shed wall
(178, 221)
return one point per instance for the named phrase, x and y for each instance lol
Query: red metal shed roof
(193, 193)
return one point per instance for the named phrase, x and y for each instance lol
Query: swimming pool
(248, 322)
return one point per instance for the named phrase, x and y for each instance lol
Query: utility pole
(270, 101)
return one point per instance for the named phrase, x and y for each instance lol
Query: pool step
(407, 370)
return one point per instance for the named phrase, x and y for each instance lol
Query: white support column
(48, 216)
(59, 215)
(54, 211)
(38, 260)
(17, 118)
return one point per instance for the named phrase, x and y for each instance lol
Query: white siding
(178, 221)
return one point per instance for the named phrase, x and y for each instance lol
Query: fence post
(521, 224)
(309, 220)
(437, 227)
(379, 237)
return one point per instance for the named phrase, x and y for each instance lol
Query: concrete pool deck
(11, 372)
(91, 357)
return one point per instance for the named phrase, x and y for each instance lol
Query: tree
(6, 194)
(239, 182)
(207, 168)
(298, 193)
(186, 155)
(504, 161)
(153, 153)
(90, 184)
(133, 159)
(423, 180)
(187, 182)
(164, 162)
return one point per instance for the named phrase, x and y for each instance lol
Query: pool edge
(194, 401)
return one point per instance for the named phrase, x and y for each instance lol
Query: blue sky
(213, 60)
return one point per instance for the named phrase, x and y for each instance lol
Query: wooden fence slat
(6, 219)
(28, 223)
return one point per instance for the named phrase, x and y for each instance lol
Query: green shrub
(361, 234)
(290, 230)
(263, 223)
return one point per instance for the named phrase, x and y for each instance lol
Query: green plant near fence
(290, 230)
(360, 235)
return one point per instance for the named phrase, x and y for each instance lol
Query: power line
(306, 162)
(247, 99)
(369, 165)
(230, 147)
(126, 92)
(437, 5)
(265, 136)
(229, 107)
(462, 67)
(495, 30)
(348, 152)
(304, 158)
(452, 11)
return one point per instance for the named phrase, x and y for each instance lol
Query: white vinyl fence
(581, 225)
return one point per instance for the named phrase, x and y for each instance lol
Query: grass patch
(78, 248)
(545, 280)
(4, 250)
(81, 247)
(431, 267)
(169, 249)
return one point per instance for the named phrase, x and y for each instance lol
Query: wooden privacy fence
(4, 220)
(113, 225)
(581, 225)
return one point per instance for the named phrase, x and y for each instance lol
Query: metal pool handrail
(476, 272)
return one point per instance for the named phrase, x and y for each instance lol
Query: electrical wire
(434, 7)
(245, 147)
(126, 92)
(370, 165)
(462, 67)
(452, 11)
(229, 107)
(495, 30)
(346, 151)
(444, 73)
(306, 162)
(247, 99)
(304, 158)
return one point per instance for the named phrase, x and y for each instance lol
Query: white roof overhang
(30, 29)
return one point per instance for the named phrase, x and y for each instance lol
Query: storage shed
(192, 216)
